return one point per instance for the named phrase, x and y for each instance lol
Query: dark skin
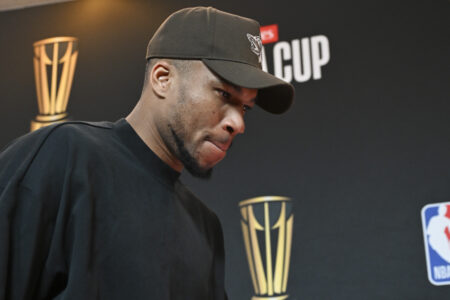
(196, 107)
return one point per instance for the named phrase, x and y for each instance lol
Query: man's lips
(222, 146)
(214, 150)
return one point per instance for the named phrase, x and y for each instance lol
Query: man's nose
(234, 121)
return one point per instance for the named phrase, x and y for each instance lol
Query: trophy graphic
(267, 224)
(54, 66)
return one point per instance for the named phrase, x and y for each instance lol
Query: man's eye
(224, 94)
(247, 108)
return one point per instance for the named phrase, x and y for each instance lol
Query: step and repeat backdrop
(346, 196)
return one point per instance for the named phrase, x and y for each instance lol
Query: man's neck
(146, 129)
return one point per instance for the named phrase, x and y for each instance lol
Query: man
(96, 210)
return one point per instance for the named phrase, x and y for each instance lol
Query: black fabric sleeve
(27, 214)
(219, 261)
(25, 240)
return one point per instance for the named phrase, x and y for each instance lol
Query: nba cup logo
(267, 224)
(54, 66)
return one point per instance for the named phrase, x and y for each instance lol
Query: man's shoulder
(69, 129)
(78, 135)
(79, 130)
(60, 137)
(50, 144)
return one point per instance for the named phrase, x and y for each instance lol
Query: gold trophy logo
(267, 224)
(54, 66)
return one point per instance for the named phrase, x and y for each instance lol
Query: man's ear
(160, 78)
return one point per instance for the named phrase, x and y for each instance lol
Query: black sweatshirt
(88, 211)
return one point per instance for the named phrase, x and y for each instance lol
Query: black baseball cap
(229, 45)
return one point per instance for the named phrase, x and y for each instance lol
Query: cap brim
(274, 94)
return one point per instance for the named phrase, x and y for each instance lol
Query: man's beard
(189, 162)
(176, 128)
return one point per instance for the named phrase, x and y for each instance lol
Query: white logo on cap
(255, 45)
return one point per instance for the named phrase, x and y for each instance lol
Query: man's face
(206, 116)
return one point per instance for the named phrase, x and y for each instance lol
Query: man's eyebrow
(226, 83)
(236, 88)
(239, 89)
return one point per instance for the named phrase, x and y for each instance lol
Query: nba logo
(436, 234)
